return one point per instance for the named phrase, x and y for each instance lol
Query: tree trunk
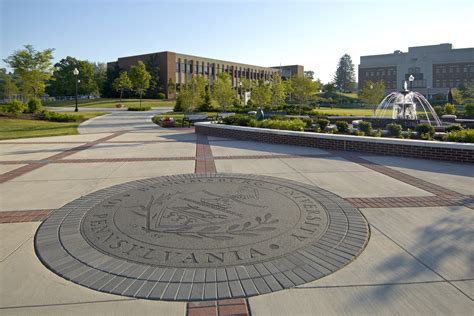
(140, 101)
(121, 92)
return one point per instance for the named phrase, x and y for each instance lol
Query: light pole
(241, 99)
(76, 73)
(427, 92)
(411, 78)
(371, 88)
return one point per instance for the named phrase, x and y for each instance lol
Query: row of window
(453, 69)
(451, 83)
(211, 69)
(381, 73)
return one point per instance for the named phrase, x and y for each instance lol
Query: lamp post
(76, 73)
(371, 88)
(241, 99)
(411, 78)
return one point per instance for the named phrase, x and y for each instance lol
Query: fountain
(407, 106)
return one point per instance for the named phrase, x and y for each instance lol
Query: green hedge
(137, 108)
(463, 136)
(60, 117)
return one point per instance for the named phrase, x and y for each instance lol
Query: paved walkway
(419, 259)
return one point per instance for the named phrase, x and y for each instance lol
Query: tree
(34, 69)
(64, 81)
(156, 85)
(372, 93)
(278, 91)
(112, 73)
(8, 87)
(192, 94)
(309, 74)
(261, 93)
(345, 75)
(303, 88)
(100, 76)
(457, 96)
(222, 91)
(122, 83)
(140, 79)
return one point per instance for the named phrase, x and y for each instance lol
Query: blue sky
(312, 33)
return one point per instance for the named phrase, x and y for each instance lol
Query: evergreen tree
(345, 75)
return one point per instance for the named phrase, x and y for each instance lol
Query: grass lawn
(110, 103)
(22, 128)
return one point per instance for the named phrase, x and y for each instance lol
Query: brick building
(180, 67)
(436, 68)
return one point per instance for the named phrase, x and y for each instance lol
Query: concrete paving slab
(7, 168)
(363, 184)
(144, 150)
(148, 169)
(324, 164)
(13, 235)
(36, 195)
(70, 171)
(239, 148)
(441, 237)
(157, 136)
(376, 265)
(66, 138)
(253, 166)
(455, 176)
(24, 276)
(113, 308)
(291, 176)
(31, 151)
(413, 299)
(466, 286)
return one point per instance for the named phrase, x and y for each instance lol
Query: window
(177, 66)
(183, 67)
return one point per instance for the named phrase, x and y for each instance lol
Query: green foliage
(153, 69)
(323, 123)
(160, 95)
(457, 96)
(171, 87)
(16, 107)
(452, 128)
(140, 108)
(378, 133)
(372, 92)
(342, 127)
(8, 87)
(366, 127)
(191, 95)
(449, 109)
(207, 102)
(222, 90)
(439, 110)
(238, 119)
(394, 130)
(140, 78)
(345, 74)
(302, 88)
(122, 83)
(463, 136)
(469, 109)
(261, 93)
(100, 76)
(60, 117)
(278, 93)
(35, 105)
(425, 131)
(33, 67)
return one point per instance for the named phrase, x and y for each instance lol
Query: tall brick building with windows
(180, 67)
(436, 68)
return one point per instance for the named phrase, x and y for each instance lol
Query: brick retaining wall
(384, 146)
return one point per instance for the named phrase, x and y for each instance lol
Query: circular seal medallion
(174, 237)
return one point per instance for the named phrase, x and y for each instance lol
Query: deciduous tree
(122, 83)
(33, 67)
(222, 90)
(278, 93)
(140, 78)
(372, 93)
(261, 93)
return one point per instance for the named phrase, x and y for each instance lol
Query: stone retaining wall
(384, 146)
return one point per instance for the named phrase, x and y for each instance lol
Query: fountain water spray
(406, 105)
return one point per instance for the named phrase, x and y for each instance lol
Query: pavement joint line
(421, 262)
(17, 248)
(36, 165)
(68, 304)
(302, 287)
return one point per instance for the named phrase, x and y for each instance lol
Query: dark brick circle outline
(62, 249)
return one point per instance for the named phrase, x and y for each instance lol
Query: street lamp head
(75, 72)
(411, 78)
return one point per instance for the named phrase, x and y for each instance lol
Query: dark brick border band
(24, 216)
(229, 307)
(204, 159)
(406, 148)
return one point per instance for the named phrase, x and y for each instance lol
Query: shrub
(425, 130)
(366, 127)
(449, 109)
(60, 117)
(161, 95)
(342, 127)
(323, 123)
(469, 108)
(250, 103)
(16, 107)
(439, 110)
(292, 125)
(238, 119)
(137, 108)
(464, 136)
(308, 122)
(452, 128)
(394, 130)
(35, 105)
(378, 133)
